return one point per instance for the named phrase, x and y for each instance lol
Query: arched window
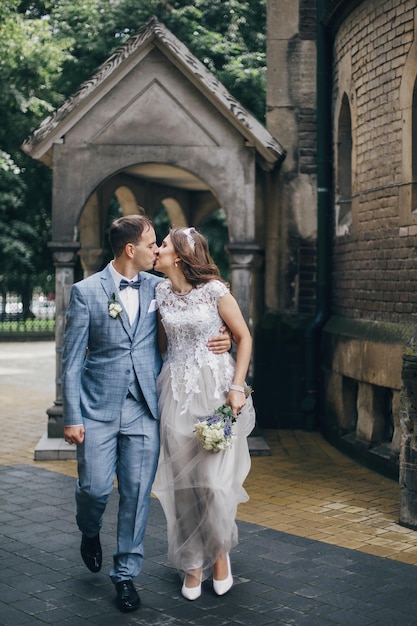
(343, 213)
(408, 106)
(414, 150)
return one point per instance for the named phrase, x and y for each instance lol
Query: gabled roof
(40, 143)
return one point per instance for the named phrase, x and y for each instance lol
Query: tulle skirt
(199, 490)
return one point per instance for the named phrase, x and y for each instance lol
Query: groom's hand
(74, 434)
(221, 343)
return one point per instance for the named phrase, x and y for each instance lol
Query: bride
(199, 490)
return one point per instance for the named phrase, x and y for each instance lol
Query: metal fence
(40, 324)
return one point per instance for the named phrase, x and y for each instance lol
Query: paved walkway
(319, 538)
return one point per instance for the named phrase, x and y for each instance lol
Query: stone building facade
(370, 108)
(374, 265)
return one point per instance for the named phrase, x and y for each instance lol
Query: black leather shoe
(91, 552)
(127, 596)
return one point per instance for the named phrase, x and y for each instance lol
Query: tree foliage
(17, 237)
(228, 36)
(31, 62)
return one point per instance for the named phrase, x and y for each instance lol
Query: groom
(110, 365)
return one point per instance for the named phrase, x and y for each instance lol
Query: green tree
(17, 236)
(31, 62)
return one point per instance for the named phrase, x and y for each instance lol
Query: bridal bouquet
(215, 431)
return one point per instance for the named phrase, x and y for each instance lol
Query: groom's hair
(127, 229)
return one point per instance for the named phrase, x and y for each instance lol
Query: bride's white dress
(199, 490)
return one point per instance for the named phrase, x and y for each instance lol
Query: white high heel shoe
(222, 586)
(191, 593)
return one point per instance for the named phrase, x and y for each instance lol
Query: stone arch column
(244, 259)
(64, 256)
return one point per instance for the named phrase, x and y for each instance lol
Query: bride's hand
(236, 400)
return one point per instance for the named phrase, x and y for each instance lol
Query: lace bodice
(189, 321)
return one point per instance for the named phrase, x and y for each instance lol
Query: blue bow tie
(129, 283)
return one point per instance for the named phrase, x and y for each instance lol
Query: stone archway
(152, 110)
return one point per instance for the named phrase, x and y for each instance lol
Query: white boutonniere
(115, 308)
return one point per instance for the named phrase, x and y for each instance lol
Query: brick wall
(307, 138)
(375, 265)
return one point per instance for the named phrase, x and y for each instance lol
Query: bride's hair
(192, 248)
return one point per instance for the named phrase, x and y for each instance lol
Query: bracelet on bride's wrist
(237, 388)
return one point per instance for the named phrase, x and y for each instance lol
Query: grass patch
(27, 326)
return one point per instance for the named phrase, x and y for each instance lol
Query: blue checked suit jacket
(95, 381)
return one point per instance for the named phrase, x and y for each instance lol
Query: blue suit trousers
(128, 448)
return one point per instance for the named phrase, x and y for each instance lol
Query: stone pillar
(408, 449)
(64, 256)
(243, 260)
(371, 421)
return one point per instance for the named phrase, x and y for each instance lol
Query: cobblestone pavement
(319, 538)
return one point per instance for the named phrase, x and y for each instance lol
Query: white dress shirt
(129, 297)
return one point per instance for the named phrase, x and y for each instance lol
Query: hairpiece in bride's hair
(190, 239)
